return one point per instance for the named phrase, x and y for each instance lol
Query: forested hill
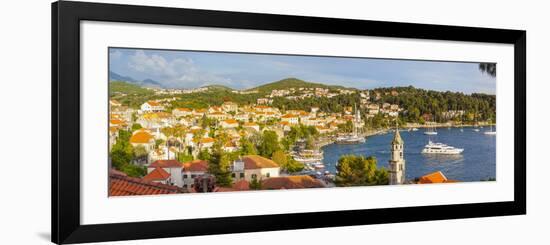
(292, 83)
(417, 101)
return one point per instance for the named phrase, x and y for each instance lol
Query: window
(232, 175)
(267, 175)
(241, 175)
(185, 176)
(193, 176)
(254, 176)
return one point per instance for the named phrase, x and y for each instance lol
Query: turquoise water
(477, 162)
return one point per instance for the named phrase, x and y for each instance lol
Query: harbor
(476, 162)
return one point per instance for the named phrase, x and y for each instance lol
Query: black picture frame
(66, 18)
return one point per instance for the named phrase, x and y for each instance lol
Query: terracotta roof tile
(255, 162)
(196, 166)
(141, 137)
(157, 175)
(122, 185)
(291, 182)
(435, 177)
(166, 164)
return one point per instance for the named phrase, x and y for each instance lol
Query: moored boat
(440, 148)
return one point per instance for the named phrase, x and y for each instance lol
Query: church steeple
(397, 160)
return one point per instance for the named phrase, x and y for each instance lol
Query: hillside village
(159, 149)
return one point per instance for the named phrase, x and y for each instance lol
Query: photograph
(197, 121)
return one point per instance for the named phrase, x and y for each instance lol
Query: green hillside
(292, 83)
(116, 87)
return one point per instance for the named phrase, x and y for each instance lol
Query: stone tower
(397, 160)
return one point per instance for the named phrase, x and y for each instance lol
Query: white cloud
(179, 72)
(115, 54)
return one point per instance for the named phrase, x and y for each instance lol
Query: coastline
(372, 132)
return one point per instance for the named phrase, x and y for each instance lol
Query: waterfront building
(397, 160)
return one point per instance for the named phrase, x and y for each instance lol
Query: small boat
(476, 129)
(440, 148)
(415, 129)
(350, 139)
(430, 133)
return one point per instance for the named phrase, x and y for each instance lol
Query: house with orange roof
(143, 138)
(182, 112)
(206, 142)
(199, 112)
(218, 115)
(435, 177)
(291, 182)
(173, 167)
(151, 106)
(213, 109)
(252, 125)
(292, 119)
(158, 175)
(229, 123)
(192, 170)
(254, 167)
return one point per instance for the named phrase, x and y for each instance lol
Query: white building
(182, 112)
(229, 123)
(255, 167)
(291, 119)
(173, 167)
(397, 160)
(152, 106)
(192, 170)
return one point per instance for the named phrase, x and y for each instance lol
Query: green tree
(359, 171)
(219, 165)
(247, 147)
(204, 155)
(269, 144)
(255, 184)
(286, 162)
(136, 126)
(140, 153)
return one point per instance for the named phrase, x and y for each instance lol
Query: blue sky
(186, 69)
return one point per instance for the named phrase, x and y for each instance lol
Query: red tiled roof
(166, 164)
(122, 185)
(435, 177)
(196, 166)
(291, 182)
(157, 174)
(255, 162)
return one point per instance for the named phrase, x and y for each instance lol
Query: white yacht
(308, 156)
(440, 148)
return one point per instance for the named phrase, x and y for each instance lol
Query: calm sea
(477, 162)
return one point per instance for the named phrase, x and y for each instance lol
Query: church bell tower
(397, 160)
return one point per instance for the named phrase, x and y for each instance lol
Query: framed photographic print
(177, 122)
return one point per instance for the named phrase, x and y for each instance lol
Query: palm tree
(489, 68)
